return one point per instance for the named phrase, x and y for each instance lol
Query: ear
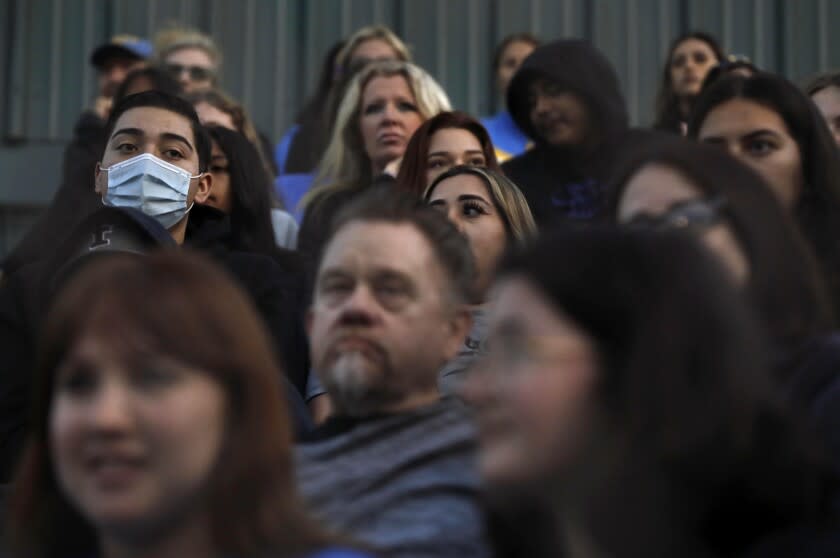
(458, 327)
(100, 180)
(202, 191)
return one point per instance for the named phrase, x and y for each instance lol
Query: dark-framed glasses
(692, 215)
(195, 73)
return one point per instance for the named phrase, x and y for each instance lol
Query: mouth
(114, 471)
(389, 138)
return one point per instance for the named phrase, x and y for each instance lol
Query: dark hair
(668, 114)
(683, 402)
(729, 66)
(313, 134)
(509, 40)
(412, 174)
(201, 318)
(172, 103)
(784, 285)
(159, 79)
(449, 245)
(821, 82)
(250, 214)
(817, 211)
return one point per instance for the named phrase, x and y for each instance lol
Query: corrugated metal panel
(273, 48)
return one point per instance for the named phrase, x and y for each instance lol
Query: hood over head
(582, 68)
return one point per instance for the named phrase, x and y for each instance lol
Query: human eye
(437, 163)
(154, 374)
(78, 381)
(472, 209)
(126, 147)
(373, 108)
(173, 153)
(392, 291)
(406, 106)
(678, 61)
(218, 168)
(760, 147)
(700, 57)
(477, 161)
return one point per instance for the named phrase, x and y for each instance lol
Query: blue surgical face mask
(155, 187)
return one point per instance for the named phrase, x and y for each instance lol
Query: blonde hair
(506, 196)
(371, 32)
(345, 164)
(174, 38)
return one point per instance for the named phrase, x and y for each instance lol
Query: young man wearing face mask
(566, 98)
(155, 163)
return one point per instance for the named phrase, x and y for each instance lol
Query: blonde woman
(384, 104)
(493, 214)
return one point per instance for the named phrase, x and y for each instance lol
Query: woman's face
(511, 59)
(656, 189)
(532, 395)
(450, 147)
(690, 62)
(470, 208)
(220, 195)
(388, 117)
(134, 437)
(192, 67)
(760, 138)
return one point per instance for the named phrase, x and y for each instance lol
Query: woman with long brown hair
(159, 425)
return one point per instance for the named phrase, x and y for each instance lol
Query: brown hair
(412, 175)
(201, 318)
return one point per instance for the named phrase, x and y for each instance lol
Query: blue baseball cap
(121, 46)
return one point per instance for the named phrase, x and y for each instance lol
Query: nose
(109, 410)
(541, 104)
(360, 308)
(454, 218)
(390, 114)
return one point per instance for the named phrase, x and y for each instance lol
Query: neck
(685, 107)
(413, 402)
(191, 540)
(179, 230)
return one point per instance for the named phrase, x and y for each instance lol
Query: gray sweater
(405, 484)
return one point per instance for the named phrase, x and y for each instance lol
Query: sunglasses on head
(195, 73)
(692, 215)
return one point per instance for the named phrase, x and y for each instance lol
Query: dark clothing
(74, 200)
(405, 483)
(568, 182)
(319, 215)
(25, 297)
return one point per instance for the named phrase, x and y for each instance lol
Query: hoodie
(568, 183)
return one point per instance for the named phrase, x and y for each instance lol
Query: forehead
(373, 49)
(154, 121)
(828, 99)
(694, 45)
(738, 117)
(459, 185)
(518, 49)
(454, 139)
(193, 56)
(386, 86)
(360, 247)
(653, 189)
(518, 300)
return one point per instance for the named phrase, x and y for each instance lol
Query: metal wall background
(273, 51)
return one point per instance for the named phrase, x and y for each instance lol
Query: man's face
(559, 116)
(163, 133)
(381, 325)
(113, 71)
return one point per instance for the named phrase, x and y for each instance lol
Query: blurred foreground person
(679, 185)
(394, 465)
(383, 106)
(440, 143)
(159, 429)
(631, 390)
(491, 212)
(509, 140)
(189, 56)
(769, 124)
(566, 98)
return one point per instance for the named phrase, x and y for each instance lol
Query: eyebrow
(443, 153)
(164, 135)
(472, 197)
(761, 132)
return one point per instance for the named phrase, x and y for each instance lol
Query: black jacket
(568, 183)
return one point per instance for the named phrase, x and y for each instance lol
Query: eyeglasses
(692, 215)
(195, 73)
